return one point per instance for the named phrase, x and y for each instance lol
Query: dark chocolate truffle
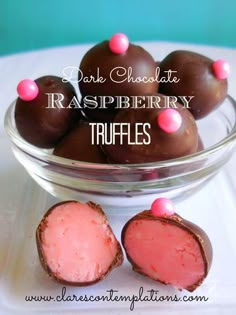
(41, 126)
(76, 245)
(77, 145)
(116, 70)
(167, 249)
(196, 78)
(162, 146)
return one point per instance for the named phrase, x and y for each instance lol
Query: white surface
(23, 203)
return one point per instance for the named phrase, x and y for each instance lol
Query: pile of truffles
(131, 110)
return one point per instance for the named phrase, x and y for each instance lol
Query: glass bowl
(116, 186)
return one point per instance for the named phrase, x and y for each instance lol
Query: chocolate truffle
(117, 71)
(162, 145)
(41, 126)
(196, 78)
(77, 145)
(76, 245)
(166, 248)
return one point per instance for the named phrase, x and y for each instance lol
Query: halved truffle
(76, 245)
(168, 249)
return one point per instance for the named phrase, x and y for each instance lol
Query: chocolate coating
(41, 126)
(100, 57)
(194, 231)
(163, 146)
(196, 79)
(77, 145)
(118, 260)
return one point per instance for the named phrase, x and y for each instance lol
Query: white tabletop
(13, 178)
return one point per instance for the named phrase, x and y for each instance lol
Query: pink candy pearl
(119, 43)
(221, 69)
(27, 90)
(162, 207)
(169, 120)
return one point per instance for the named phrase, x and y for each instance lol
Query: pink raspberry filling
(77, 243)
(165, 252)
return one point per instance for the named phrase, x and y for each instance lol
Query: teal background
(28, 25)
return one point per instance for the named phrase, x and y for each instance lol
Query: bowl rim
(45, 156)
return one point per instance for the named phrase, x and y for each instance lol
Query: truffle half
(76, 245)
(168, 249)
